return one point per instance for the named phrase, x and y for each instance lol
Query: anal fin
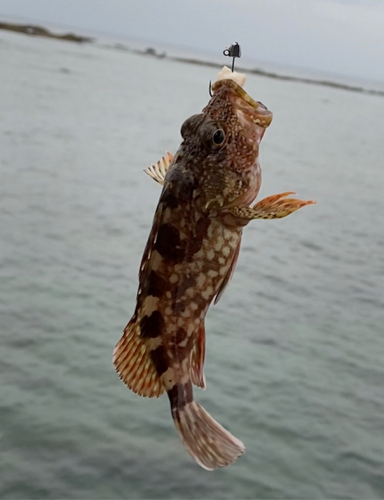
(131, 358)
(197, 359)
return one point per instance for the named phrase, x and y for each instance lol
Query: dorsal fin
(228, 276)
(159, 170)
(197, 359)
(131, 358)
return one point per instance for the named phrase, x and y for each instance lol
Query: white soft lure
(227, 74)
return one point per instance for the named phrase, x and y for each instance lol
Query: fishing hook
(210, 88)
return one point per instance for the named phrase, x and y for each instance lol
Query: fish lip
(255, 110)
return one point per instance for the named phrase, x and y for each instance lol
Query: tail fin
(206, 440)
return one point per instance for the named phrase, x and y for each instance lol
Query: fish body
(189, 258)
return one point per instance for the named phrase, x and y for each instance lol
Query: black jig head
(234, 51)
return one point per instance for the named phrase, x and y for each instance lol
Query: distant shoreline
(33, 30)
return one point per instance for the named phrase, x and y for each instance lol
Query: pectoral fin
(159, 170)
(276, 206)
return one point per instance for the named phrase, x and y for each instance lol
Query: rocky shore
(33, 30)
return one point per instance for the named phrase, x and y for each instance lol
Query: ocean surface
(295, 348)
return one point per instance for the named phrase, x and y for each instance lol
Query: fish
(208, 190)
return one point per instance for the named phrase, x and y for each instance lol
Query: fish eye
(218, 137)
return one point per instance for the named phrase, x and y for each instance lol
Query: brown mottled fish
(190, 256)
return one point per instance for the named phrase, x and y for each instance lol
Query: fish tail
(205, 439)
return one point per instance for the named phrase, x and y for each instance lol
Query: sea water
(295, 347)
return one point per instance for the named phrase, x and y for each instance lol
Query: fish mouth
(249, 111)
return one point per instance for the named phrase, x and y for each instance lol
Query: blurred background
(91, 93)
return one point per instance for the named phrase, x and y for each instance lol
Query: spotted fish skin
(189, 258)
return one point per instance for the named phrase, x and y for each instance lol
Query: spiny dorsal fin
(145, 268)
(159, 170)
(134, 365)
(197, 359)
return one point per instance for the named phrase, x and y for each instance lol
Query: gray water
(295, 347)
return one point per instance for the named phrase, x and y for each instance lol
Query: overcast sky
(337, 36)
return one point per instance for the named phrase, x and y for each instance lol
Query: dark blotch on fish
(159, 360)
(180, 395)
(200, 233)
(169, 199)
(151, 326)
(156, 285)
(176, 396)
(168, 244)
(181, 334)
(188, 392)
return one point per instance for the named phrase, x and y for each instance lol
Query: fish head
(221, 146)
(247, 117)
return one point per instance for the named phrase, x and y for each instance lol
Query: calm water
(295, 346)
